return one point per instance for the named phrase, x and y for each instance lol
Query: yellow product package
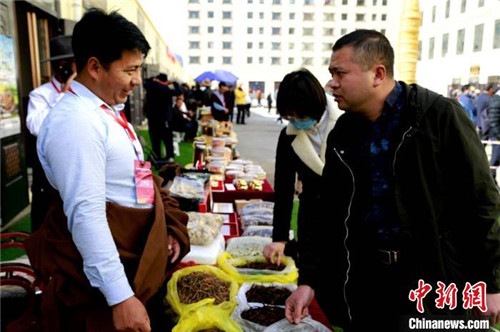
(247, 269)
(208, 317)
(196, 286)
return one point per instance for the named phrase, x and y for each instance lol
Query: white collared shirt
(41, 100)
(89, 158)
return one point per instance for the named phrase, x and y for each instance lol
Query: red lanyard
(59, 90)
(122, 121)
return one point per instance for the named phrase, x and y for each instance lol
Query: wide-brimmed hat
(207, 83)
(60, 48)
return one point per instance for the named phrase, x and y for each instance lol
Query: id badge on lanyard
(144, 186)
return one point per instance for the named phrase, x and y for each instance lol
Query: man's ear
(94, 67)
(380, 75)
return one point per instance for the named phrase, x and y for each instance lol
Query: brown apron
(69, 302)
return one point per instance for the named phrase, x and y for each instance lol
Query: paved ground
(257, 139)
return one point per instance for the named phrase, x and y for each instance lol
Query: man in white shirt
(41, 100)
(107, 248)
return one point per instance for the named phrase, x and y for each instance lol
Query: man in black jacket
(411, 205)
(158, 108)
(493, 111)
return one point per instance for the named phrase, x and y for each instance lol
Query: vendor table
(228, 196)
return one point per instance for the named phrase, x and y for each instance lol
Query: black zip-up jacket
(445, 196)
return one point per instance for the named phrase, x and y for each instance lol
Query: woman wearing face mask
(301, 152)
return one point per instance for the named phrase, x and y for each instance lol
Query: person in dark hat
(41, 100)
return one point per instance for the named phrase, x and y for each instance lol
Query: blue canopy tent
(217, 75)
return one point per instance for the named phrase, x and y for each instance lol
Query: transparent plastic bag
(306, 325)
(187, 188)
(247, 245)
(256, 220)
(203, 227)
(263, 207)
(264, 231)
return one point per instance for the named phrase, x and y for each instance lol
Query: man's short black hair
(105, 36)
(191, 105)
(301, 92)
(370, 47)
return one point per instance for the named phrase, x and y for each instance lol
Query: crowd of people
(396, 185)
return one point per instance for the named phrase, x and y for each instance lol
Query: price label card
(144, 187)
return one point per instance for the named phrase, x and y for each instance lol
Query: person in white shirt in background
(41, 100)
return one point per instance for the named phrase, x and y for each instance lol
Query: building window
(308, 31)
(384, 17)
(227, 60)
(194, 1)
(308, 2)
(194, 14)
(291, 16)
(275, 46)
(249, 30)
(343, 31)
(291, 31)
(496, 37)
(210, 59)
(261, 45)
(210, 1)
(329, 3)
(374, 17)
(478, 38)
(360, 2)
(250, 1)
(226, 30)
(374, 2)
(210, 44)
(433, 14)
(328, 32)
(327, 47)
(343, 17)
(307, 61)
(274, 31)
(275, 61)
(344, 2)
(463, 6)
(328, 17)
(360, 17)
(276, 2)
(431, 48)
(444, 45)
(480, 3)
(226, 15)
(261, 31)
(261, 15)
(261, 60)
(226, 45)
(384, 2)
(210, 29)
(447, 9)
(326, 61)
(210, 14)
(194, 29)
(194, 44)
(292, 2)
(382, 31)
(250, 15)
(460, 41)
(249, 60)
(194, 59)
(290, 61)
(249, 45)
(308, 17)
(291, 46)
(276, 16)
(307, 46)
(226, 1)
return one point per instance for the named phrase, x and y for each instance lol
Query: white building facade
(260, 41)
(459, 43)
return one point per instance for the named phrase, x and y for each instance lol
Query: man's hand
(174, 248)
(131, 315)
(65, 86)
(226, 110)
(493, 305)
(274, 251)
(297, 304)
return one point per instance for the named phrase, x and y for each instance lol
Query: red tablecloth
(318, 314)
(266, 194)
